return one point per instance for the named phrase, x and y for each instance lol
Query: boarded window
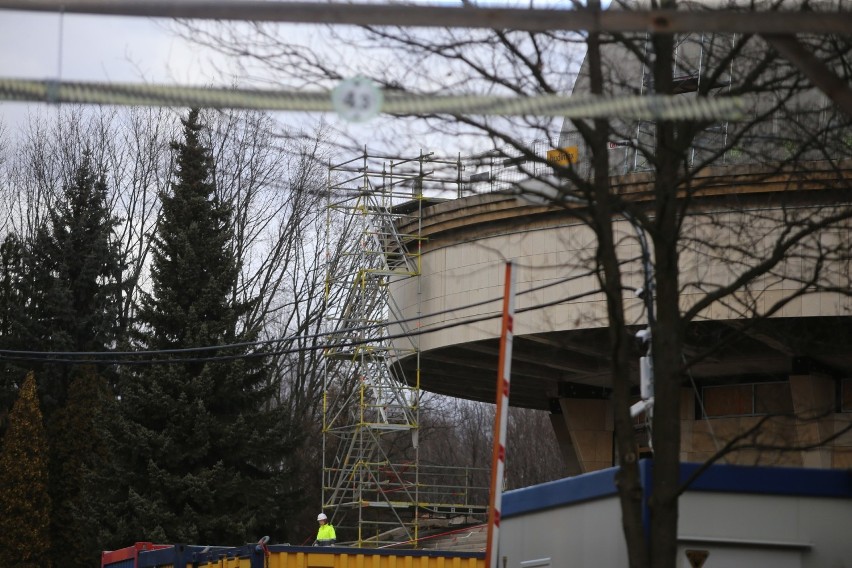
(731, 400)
(748, 399)
(773, 398)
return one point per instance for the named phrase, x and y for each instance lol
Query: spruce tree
(82, 473)
(28, 272)
(84, 289)
(24, 500)
(204, 444)
(61, 291)
(75, 265)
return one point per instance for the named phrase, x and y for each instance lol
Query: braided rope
(654, 107)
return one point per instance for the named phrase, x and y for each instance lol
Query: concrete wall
(733, 225)
(462, 273)
(456, 279)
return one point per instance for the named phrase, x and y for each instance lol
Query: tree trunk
(666, 334)
(627, 479)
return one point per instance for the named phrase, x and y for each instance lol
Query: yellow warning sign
(697, 558)
(563, 156)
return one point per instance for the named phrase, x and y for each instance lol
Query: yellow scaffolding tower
(373, 484)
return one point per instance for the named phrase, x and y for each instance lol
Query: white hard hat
(322, 517)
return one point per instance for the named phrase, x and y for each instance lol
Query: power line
(100, 357)
(648, 107)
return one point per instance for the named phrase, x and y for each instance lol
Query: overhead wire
(645, 107)
(125, 357)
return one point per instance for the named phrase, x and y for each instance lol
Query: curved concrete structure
(560, 335)
(560, 359)
(795, 357)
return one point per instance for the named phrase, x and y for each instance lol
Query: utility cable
(649, 107)
(99, 357)
(39, 355)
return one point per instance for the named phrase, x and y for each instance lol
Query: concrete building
(791, 360)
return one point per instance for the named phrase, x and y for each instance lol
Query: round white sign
(357, 99)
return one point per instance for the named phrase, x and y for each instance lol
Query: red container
(127, 557)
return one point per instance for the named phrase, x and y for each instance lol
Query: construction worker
(325, 535)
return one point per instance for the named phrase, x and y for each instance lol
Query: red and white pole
(498, 463)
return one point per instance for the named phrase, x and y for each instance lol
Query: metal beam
(660, 21)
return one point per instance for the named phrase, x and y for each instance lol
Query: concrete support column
(589, 426)
(814, 404)
(566, 446)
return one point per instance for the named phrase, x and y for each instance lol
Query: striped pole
(498, 463)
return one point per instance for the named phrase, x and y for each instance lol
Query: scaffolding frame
(373, 483)
(691, 51)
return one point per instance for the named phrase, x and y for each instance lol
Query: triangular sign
(697, 557)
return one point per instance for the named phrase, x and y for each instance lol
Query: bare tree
(459, 432)
(138, 160)
(763, 254)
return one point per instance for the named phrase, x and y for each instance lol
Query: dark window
(732, 400)
(773, 398)
(747, 399)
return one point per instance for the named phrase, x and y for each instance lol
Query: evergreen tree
(61, 291)
(83, 302)
(24, 500)
(205, 447)
(75, 268)
(82, 472)
(61, 288)
(25, 323)
(11, 309)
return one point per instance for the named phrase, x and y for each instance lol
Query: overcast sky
(92, 48)
(38, 45)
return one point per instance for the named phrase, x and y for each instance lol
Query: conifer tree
(11, 309)
(61, 292)
(84, 289)
(75, 269)
(25, 323)
(205, 446)
(83, 520)
(24, 500)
